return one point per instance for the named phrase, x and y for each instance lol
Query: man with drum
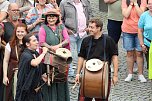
(99, 47)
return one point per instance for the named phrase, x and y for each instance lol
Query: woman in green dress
(53, 35)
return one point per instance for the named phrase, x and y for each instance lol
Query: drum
(95, 79)
(58, 63)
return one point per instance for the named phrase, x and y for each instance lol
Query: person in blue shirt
(145, 30)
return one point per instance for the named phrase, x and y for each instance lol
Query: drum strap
(90, 44)
(104, 47)
(104, 43)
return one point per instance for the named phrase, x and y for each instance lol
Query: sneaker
(129, 78)
(141, 78)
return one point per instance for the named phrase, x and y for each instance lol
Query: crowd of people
(29, 31)
(132, 32)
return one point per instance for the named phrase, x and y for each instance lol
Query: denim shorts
(131, 42)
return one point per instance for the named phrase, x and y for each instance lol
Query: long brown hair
(14, 40)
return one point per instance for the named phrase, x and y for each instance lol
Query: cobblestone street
(123, 91)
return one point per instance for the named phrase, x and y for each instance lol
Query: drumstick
(74, 86)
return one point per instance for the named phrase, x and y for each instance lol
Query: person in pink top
(131, 10)
(54, 35)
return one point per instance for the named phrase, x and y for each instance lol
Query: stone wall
(99, 13)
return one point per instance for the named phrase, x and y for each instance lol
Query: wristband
(142, 45)
(77, 75)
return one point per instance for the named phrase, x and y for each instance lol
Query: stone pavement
(123, 91)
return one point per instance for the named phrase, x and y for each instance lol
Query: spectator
(131, 10)
(53, 4)
(24, 6)
(145, 31)
(12, 21)
(114, 20)
(34, 18)
(75, 16)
